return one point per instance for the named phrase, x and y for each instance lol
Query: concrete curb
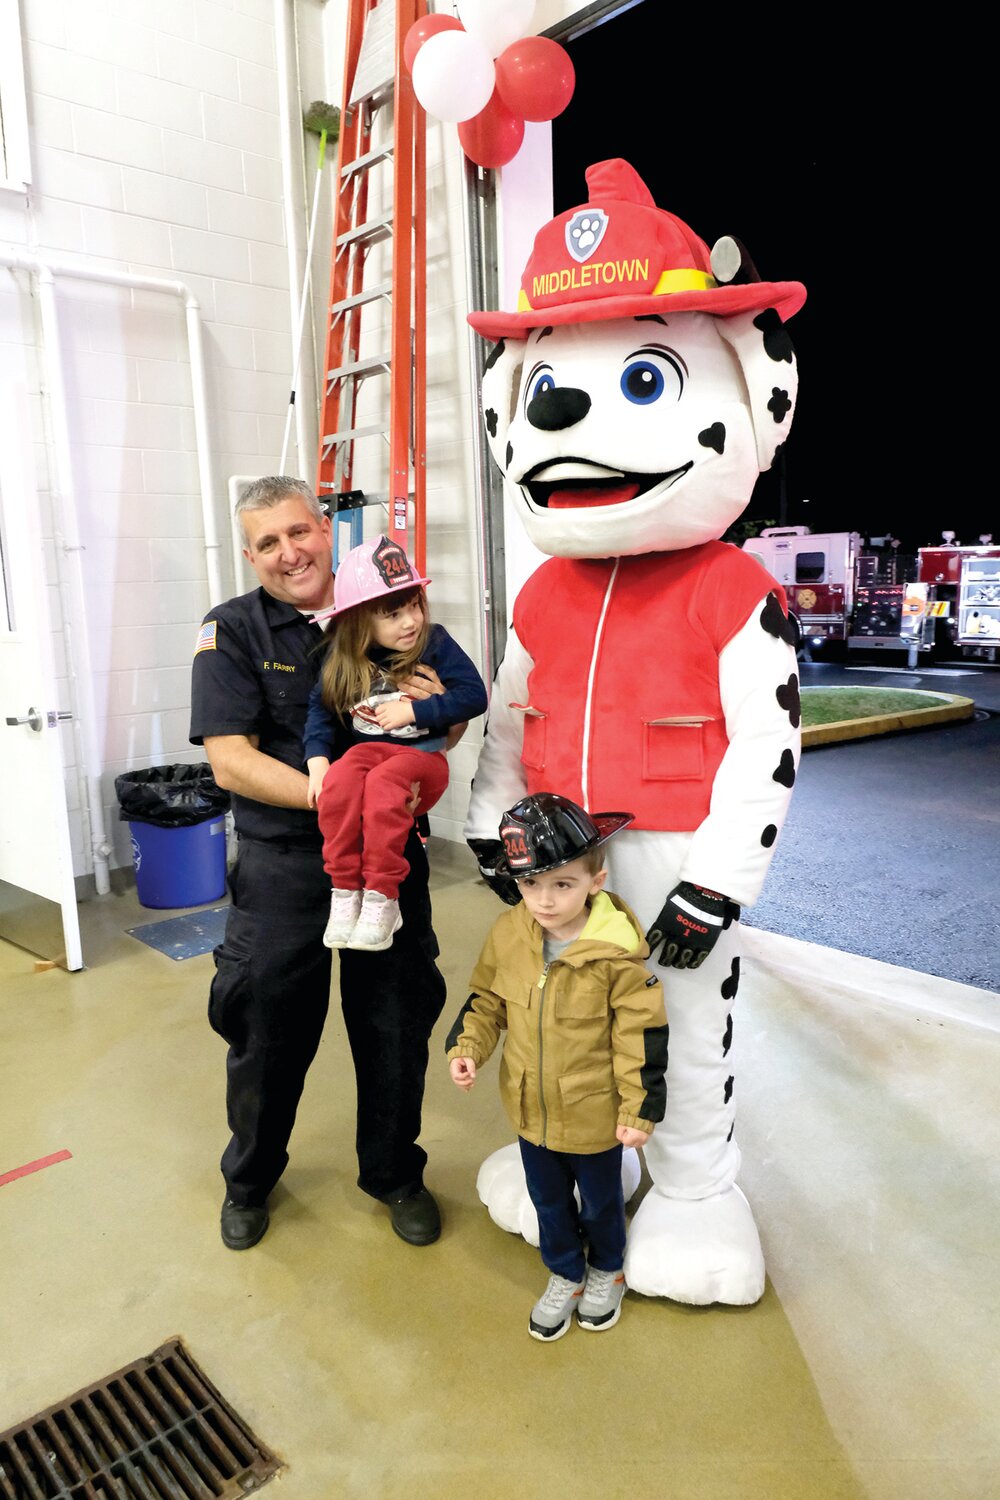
(870, 980)
(951, 709)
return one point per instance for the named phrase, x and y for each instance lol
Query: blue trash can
(179, 866)
(176, 817)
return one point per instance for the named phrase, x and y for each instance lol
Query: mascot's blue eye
(642, 383)
(545, 382)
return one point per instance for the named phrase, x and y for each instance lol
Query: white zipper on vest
(584, 769)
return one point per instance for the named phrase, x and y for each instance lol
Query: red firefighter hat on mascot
(619, 256)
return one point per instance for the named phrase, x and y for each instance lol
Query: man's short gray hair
(265, 493)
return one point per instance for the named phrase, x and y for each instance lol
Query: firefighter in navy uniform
(255, 662)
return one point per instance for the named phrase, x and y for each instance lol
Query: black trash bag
(170, 796)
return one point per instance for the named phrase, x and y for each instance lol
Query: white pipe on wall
(46, 268)
(203, 447)
(293, 196)
(237, 484)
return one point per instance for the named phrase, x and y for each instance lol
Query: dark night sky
(833, 173)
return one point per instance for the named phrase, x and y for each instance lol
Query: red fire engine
(969, 577)
(868, 597)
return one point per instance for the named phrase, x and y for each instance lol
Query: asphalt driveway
(892, 845)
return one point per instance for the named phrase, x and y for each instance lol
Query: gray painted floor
(378, 1371)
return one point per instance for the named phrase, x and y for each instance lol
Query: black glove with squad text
(487, 852)
(688, 927)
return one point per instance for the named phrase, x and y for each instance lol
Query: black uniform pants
(269, 1000)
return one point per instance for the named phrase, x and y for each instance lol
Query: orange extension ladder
(375, 78)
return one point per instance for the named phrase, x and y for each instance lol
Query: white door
(37, 894)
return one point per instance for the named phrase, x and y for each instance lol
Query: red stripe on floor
(34, 1166)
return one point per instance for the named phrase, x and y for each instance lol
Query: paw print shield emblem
(585, 231)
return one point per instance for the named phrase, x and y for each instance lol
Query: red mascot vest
(623, 710)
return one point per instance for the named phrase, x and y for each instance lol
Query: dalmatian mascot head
(631, 399)
(643, 382)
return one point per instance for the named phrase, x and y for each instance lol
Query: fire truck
(969, 579)
(846, 593)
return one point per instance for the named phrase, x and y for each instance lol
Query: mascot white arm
(631, 402)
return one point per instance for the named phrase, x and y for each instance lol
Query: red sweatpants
(363, 814)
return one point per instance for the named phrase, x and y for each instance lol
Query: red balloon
(419, 32)
(535, 78)
(493, 137)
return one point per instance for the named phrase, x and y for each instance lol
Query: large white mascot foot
(696, 1250)
(502, 1188)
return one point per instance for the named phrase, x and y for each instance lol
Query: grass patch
(831, 705)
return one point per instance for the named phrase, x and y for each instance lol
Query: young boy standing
(582, 1070)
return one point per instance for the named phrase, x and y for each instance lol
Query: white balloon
(496, 25)
(453, 76)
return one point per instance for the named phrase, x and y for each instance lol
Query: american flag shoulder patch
(206, 637)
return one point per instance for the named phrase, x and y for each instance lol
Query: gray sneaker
(553, 1312)
(600, 1306)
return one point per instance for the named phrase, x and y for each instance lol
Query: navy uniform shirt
(255, 662)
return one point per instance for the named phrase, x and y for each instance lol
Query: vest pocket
(533, 744)
(575, 1087)
(512, 1074)
(674, 749)
(512, 988)
(582, 1000)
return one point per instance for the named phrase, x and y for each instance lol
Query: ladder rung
(370, 159)
(350, 433)
(356, 500)
(370, 233)
(357, 301)
(372, 366)
(376, 97)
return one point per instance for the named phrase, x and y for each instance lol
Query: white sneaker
(377, 925)
(600, 1306)
(345, 907)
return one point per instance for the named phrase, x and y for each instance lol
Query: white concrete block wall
(155, 145)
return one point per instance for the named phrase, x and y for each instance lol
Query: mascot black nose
(562, 406)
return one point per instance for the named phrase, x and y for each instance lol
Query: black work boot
(415, 1217)
(243, 1225)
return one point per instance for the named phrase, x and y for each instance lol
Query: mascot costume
(631, 401)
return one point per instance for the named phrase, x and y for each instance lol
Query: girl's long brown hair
(348, 672)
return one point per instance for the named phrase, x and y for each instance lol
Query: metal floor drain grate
(156, 1430)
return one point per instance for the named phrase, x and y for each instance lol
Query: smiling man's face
(290, 550)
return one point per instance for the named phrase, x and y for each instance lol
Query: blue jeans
(551, 1176)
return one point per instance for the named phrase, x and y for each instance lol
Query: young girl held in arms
(380, 634)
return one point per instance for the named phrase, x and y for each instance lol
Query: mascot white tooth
(631, 401)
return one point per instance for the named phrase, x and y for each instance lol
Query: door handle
(34, 718)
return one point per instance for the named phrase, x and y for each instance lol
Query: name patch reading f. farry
(277, 666)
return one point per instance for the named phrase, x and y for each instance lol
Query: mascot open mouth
(570, 482)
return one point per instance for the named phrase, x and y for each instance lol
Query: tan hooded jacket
(586, 1041)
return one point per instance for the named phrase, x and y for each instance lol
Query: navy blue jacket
(464, 698)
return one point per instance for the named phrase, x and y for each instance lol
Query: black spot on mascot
(776, 622)
(784, 772)
(788, 697)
